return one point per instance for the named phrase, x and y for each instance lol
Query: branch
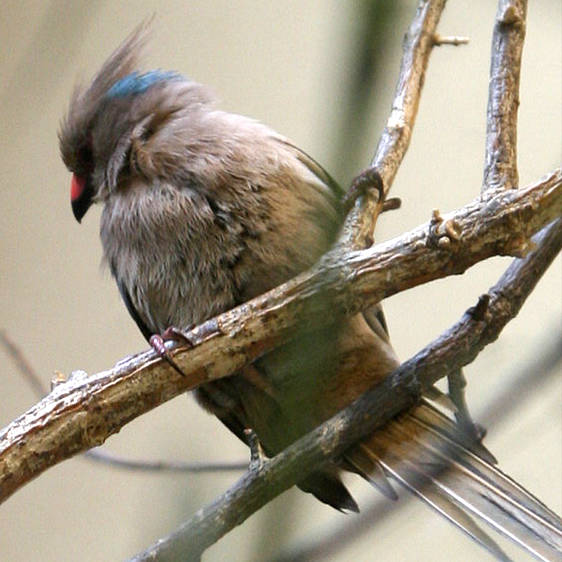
(396, 136)
(457, 347)
(99, 454)
(85, 411)
(105, 457)
(356, 232)
(500, 169)
(335, 538)
(395, 139)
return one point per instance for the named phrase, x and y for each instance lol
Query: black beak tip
(80, 207)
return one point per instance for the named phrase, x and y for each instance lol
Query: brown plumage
(204, 210)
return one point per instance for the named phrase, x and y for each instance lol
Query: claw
(180, 336)
(157, 342)
(257, 456)
(367, 180)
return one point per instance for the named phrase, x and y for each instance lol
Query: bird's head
(120, 106)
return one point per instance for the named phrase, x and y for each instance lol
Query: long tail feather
(371, 469)
(425, 453)
(425, 489)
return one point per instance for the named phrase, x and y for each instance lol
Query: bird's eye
(85, 156)
(147, 133)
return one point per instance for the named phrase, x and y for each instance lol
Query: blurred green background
(322, 72)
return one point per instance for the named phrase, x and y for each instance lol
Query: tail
(423, 451)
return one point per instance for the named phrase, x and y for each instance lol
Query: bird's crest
(85, 99)
(136, 83)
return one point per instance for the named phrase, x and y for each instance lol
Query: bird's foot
(158, 344)
(368, 180)
(181, 336)
(457, 384)
(257, 456)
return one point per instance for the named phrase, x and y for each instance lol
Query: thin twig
(455, 348)
(105, 457)
(84, 411)
(500, 170)
(23, 365)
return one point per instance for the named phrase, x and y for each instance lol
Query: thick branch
(500, 169)
(99, 454)
(455, 348)
(85, 411)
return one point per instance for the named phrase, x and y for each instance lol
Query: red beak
(80, 196)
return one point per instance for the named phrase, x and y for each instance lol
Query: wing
(315, 168)
(146, 331)
(229, 398)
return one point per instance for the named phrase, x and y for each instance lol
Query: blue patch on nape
(136, 83)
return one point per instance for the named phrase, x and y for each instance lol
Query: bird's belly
(182, 298)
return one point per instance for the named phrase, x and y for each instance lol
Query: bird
(204, 210)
